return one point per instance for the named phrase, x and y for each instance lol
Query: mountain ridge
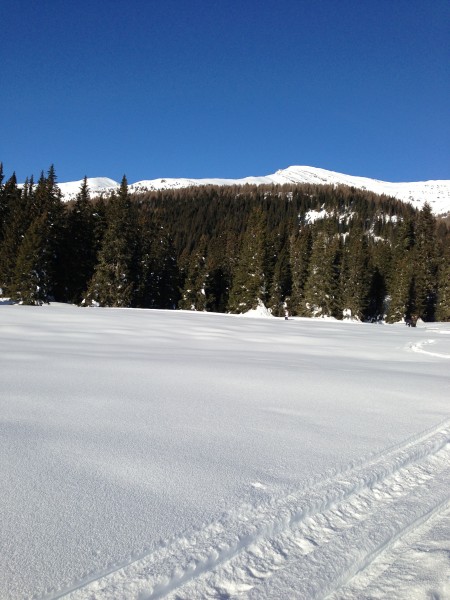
(435, 192)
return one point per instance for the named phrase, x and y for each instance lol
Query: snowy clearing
(150, 454)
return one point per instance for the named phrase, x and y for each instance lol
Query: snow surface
(315, 215)
(97, 186)
(149, 454)
(436, 193)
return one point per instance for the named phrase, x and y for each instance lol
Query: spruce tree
(193, 295)
(300, 254)
(31, 283)
(4, 205)
(46, 202)
(157, 278)
(80, 248)
(112, 283)
(322, 285)
(249, 279)
(353, 288)
(380, 257)
(17, 221)
(426, 264)
(144, 284)
(281, 283)
(374, 310)
(165, 275)
(218, 266)
(401, 282)
(443, 304)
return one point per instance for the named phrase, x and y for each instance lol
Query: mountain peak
(436, 193)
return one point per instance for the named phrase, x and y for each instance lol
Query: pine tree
(249, 279)
(374, 310)
(17, 221)
(80, 249)
(353, 289)
(9, 195)
(165, 275)
(281, 284)
(193, 295)
(426, 264)
(300, 255)
(4, 206)
(380, 257)
(31, 281)
(321, 288)
(218, 266)
(443, 304)
(100, 222)
(112, 283)
(401, 283)
(144, 284)
(46, 201)
(157, 278)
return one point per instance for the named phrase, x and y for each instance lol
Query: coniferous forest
(313, 250)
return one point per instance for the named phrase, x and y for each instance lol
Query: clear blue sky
(225, 88)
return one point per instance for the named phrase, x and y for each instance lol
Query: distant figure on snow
(411, 321)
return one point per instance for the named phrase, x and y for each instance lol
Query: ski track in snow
(328, 538)
(421, 347)
(311, 542)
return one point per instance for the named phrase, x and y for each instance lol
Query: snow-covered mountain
(97, 186)
(436, 193)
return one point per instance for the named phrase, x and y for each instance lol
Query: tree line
(312, 250)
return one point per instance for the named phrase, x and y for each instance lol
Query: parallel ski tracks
(310, 542)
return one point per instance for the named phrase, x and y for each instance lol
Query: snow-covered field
(149, 454)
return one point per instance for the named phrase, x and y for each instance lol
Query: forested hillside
(315, 250)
